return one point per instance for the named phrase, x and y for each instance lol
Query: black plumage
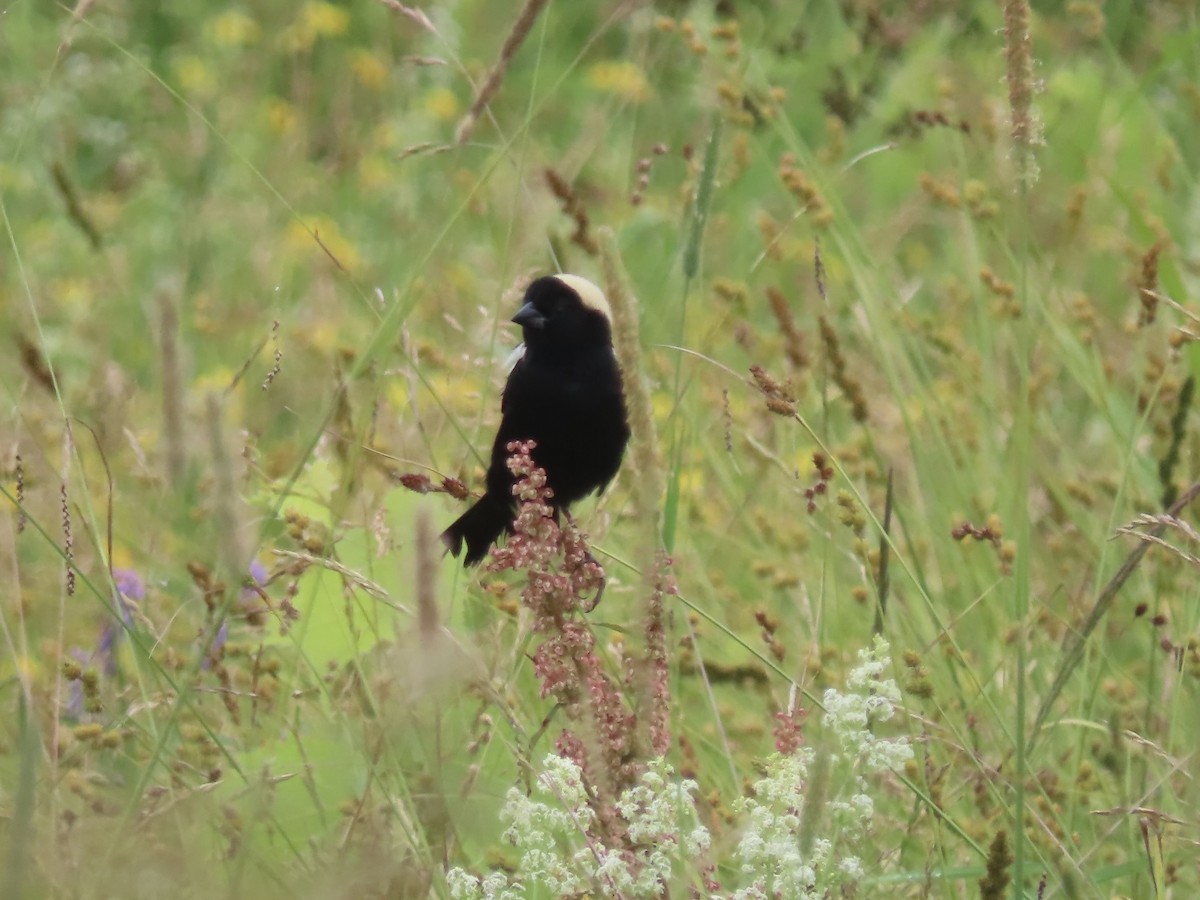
(564, 393)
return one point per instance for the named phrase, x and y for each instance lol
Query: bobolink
(564, 393)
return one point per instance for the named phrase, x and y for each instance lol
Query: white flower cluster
(465, 886)
(558, 852)
(772, 848)
(802, 831)
(872, 699)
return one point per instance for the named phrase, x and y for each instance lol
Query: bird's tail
(478, 528)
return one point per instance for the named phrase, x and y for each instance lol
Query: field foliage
(915, 312)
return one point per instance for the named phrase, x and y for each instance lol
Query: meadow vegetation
(900, 591)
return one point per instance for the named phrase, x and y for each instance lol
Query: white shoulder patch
(518, 353)
(590, 294)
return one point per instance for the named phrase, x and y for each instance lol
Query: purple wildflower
(214, 649)
(129, 587)
(106, 649)
(258, 578)
(129, 583)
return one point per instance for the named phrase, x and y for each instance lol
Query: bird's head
(565, 314)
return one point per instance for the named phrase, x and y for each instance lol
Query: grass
(251, 280)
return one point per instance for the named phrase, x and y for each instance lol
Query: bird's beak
(528, 317)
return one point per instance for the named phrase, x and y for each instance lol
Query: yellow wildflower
(216, 380)
(299, 237)
(235, 29)
(324, 19)
(195, 76)
(442, 104)
(27, 667)
(317, 19)
(322, 335)
(72, 292)
(622, 78)
(368, 68)
(281, 115)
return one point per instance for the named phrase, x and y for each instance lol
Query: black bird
(565, 393)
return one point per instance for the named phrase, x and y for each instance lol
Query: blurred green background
(262, 210)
